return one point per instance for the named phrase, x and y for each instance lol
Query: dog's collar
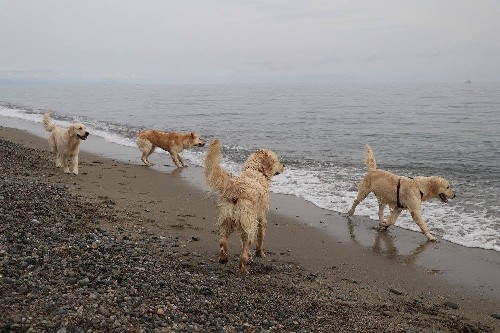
(262, 173)
(266, 176)
(398, 189)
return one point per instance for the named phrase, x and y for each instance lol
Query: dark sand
(345, 277)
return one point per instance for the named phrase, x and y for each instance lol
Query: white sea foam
(112, 137)
(20, 114)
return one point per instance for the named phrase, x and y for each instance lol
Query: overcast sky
(233, 41)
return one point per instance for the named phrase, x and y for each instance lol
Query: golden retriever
(243, 200)
(400, 193)
(173, 142)
(65, 143)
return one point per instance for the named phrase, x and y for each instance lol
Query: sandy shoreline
(169, 205)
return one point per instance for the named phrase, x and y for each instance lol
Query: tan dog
(400, 193)
(244, 200)
(172, 142)
(65, 143)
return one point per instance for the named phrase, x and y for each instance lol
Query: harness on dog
(398, 189)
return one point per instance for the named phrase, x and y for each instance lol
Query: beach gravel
(63, 269)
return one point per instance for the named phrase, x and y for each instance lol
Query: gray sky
(233, 41)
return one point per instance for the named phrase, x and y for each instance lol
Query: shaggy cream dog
(243, 200)
(400, 193)
(173, 142)
(65, 143)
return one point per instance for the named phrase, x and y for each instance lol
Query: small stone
(452, 305)
(395, 291)
(103, 311)
(496, 315)
(8, 280)
(84, 282)
(312, 276)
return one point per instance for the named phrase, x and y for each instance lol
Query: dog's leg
(419, 219)
(362, 194)
(153, 147)
(181, 160)
(59, 160)
(259, 252)
(147, 148)
(381, 207)
(65, 164)
(53, 150)
(392, 219)
(245, 252)
(175, 158)
(223, 242)
(58, 156)
(74, 164)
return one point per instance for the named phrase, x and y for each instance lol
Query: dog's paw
(223, 258)
(432, 238)
(260, 254)
(243, 269)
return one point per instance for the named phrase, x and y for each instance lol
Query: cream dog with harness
(400, 193)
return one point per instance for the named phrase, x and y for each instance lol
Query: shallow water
(450, 130)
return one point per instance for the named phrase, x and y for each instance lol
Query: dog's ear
(71, 130)
(192, 135)
(266, 163)
(434, 185)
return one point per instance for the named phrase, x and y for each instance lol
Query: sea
(320, 133)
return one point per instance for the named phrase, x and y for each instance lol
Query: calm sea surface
(320, 131)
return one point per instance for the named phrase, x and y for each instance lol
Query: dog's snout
(87, 133)
(454, 195)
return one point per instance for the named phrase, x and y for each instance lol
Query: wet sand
(391, 269)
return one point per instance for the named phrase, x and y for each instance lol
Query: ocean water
(320, 132)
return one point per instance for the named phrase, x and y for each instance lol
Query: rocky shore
(71, 262)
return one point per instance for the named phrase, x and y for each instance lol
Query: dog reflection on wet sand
(383, 245)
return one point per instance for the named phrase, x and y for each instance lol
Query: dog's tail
(47, 122)
(216, 177)
(370, 159)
